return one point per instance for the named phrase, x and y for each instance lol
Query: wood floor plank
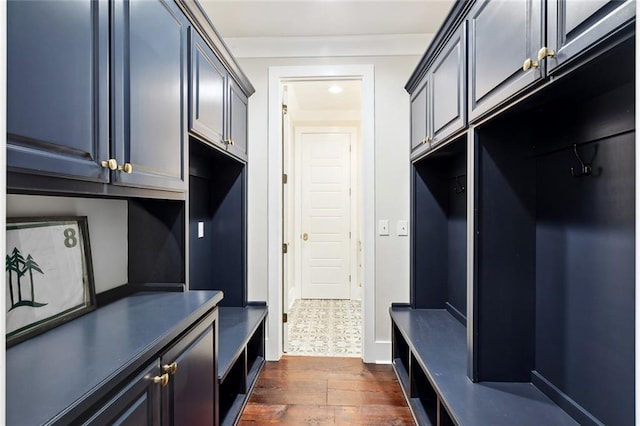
(326, 391)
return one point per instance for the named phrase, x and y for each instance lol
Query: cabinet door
(149, 92)
(575, 25)
(57, 88)
(237, 121)
(449, 87)
(207, 96)
(420, 108)
(502, 35)
(137, 403)
(190, 396)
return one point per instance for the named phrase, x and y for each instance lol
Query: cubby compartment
(422, 390)
(439, 239)
(232, 391)
(156, 241)
(555, 242)
(217, 223)
(401, 356)
(255, 354)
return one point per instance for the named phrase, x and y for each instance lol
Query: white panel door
(325, 215)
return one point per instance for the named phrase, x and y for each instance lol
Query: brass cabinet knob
(305, 236)
(162, 380)
(529, 63)
(228, 141)
(231, 142)
(110, 164)
(126, 167)
(545, 52)
(170, 368)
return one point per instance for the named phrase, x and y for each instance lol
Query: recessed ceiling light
(335, 89)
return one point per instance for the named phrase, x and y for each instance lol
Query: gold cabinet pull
(110, 164)
(305, 236)
(162, 380)
(228, 141)
(170, 368)
(529, 63)
(126, 167)
(545, 52)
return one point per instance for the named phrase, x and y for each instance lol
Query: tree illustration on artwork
(8, 265)
(31, 265)
(16, 263)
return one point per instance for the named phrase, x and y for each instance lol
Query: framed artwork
(49, 274)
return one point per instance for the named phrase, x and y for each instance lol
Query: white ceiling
(313, 18)
(252, 22)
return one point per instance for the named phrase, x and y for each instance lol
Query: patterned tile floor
(321, 327)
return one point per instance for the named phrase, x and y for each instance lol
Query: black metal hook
(459, 187)
(585, 167)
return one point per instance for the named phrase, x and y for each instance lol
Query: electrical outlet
(200, 229)
(383, 227)
(403, 228)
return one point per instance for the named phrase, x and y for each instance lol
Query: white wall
(391, 174)
(107, 230)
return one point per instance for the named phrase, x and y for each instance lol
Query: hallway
(326, 391)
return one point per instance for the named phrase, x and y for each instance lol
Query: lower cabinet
(178, 388)
(188, 368)
(138, 403)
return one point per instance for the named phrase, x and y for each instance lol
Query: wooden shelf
(437, 342)
(236, 327)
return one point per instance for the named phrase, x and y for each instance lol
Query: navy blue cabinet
(237, 121)
(57, 88)
(504, 39)
(207, 97)
(149, 42)
(573, 27)
(189, 397)
(138, 403)
(218, 105)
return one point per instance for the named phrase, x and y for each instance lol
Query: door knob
(305, 236)
(528, 64)
(161, 380)
(545, 52)
(126, 167)
(110, 164)
(170, 368)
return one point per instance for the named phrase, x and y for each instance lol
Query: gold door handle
(545, 52)
(110, 164)
(305, 236)
(170, 368)
(162, 380)
(126, 167)
(528, 64)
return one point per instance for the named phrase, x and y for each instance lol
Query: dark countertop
(61, 373)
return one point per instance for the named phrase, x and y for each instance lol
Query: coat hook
(459, 187)
(585, 167)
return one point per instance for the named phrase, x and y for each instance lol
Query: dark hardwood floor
(326, 391)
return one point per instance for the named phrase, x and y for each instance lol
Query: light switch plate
(200, 229)
(383, 227)
(403, 228)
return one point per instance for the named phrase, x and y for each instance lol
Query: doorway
(276, 297)
(322, 283)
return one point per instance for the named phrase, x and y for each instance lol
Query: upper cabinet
(449, 73)
(218, 106)
(497, 58)
(149, 69)
(207, 97)
(237, 122)
(438, 106)
(574, 25)
(420, 123)
(57, 88)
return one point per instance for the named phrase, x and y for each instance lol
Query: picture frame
(49, 274)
